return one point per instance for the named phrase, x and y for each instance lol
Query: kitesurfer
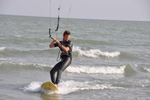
(65, 47)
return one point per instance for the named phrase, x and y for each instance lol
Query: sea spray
(32, 87)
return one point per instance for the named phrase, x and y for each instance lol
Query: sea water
(111, 59)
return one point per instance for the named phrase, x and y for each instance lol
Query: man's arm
(52, 44)
(66, 49)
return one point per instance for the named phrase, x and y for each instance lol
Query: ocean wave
(68, 87)
(2, 48)
(94, 53)
(23, 50)
(97, 70)
(13, 65)
(124, 69)
(27, 51)
(146, 69)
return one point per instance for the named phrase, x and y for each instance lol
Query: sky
(137, 10)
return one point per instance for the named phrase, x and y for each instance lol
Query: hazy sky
(91, 9)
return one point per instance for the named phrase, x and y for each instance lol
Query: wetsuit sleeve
(56, 44)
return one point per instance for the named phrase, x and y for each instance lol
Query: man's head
(66, 35)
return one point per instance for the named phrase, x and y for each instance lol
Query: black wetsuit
(66, 58)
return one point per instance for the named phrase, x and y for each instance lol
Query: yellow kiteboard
(49, 86)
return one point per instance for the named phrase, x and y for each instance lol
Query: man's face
(66, 37)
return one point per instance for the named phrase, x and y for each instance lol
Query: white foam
(147, 69)
(94, 53)
(33, 87)
(68, 87)
(2, 48)
(97, 70)
(72, 86)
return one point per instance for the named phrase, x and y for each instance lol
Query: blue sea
(111, 59)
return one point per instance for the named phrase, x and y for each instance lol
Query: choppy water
(110, 59)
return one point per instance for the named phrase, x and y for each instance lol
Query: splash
(33, 87)
(68, 87)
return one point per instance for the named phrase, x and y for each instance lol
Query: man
(66, 56)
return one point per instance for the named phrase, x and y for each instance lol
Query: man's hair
(66, 33)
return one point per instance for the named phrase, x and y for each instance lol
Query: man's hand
(52, 43)
(57, 41)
